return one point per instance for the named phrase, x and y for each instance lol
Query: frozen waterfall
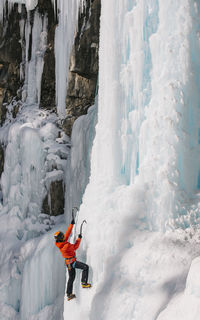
(144, 166)
(132, 165)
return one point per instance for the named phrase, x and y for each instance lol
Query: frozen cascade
(144, 166)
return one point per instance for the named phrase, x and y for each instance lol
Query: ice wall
(45, 294)
(148, 122)
(172, 117)
(32, 277)
(23, 171)
(144, 162)
(78, 168)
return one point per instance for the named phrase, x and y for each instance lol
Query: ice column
(23, 172)
(36, 40)
(68, 12)
(125, 87)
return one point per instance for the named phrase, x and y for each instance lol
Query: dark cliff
(83, 73)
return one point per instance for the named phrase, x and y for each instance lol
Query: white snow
(187, 304)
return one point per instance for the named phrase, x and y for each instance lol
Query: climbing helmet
(59, 235)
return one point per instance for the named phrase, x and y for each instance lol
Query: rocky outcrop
(10, 59)
(83, 72)
(54, 201)
(48, 77)
(1, 159)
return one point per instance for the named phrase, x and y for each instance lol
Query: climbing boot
(71, 296)
(86, 285)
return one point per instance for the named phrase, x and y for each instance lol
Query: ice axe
(84, 221)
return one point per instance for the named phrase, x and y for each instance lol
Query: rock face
(84, 66)
(10, 59)
(48, 76)
(54, 202)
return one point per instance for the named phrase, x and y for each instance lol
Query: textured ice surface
(144, 165)
(32, 276)
(78, 170)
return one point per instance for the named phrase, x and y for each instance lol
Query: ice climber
(68, 252)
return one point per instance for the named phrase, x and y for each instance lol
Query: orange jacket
(66, 248)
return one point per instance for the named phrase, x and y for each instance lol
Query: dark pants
(72, 274)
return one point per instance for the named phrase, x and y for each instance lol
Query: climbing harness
(70, 262)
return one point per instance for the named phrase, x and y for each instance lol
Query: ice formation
(67, 25)
(142, 200)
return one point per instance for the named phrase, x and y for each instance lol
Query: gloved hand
(73, 222)
(80, 236)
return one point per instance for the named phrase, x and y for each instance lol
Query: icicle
(5, 10)
(31, 4)
(2, 5)
(54, 3)
(22, 71)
